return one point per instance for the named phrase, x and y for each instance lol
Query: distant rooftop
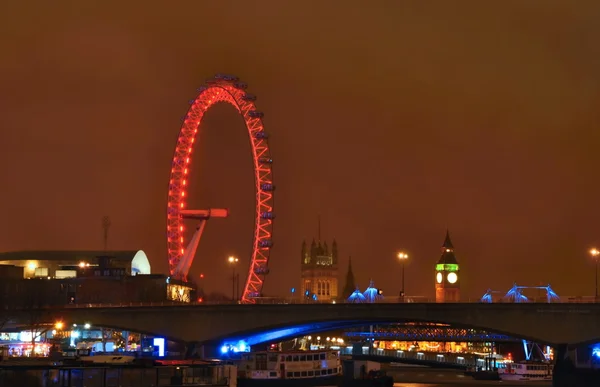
(57, 255)
(136, 259)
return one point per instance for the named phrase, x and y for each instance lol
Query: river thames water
(427, 377)
(473, 383)
(162, 376)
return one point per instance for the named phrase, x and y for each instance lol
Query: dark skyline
(393, 121)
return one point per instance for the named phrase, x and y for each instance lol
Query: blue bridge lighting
(237, 347)
(515, 294)
(370, 295)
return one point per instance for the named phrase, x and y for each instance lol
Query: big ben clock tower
(447, 274)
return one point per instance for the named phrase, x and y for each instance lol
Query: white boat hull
(524, 378)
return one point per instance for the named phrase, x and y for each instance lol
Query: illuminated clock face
(439, 277)
(452, 278)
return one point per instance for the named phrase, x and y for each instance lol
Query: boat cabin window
(296, 358)
(311, 373)
(303, 358)
(309, 357)
(323, 372)
(536, 368)
(273, 357)
(296, 374)
(261, 362)
(289, 374)
(303, 373)
(288, 358)
(272, 374)
(322, 356)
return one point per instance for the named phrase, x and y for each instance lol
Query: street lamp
(233, 261)
(596, 255)
(402, 257)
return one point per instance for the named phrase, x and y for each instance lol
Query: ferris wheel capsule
(256, 114)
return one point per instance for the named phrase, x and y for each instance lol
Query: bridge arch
(286, 331)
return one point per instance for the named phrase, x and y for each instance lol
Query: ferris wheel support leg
(185, 263)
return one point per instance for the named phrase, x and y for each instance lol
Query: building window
(307, 287)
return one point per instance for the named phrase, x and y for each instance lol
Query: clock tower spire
(447, 274)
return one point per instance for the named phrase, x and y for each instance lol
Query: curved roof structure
(140, 264)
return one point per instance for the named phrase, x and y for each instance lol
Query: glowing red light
(201, 275)
(223, 91)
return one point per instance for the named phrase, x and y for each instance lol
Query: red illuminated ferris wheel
(222, 88)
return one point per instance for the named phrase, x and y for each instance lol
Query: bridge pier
(574, 367)
(201, 351)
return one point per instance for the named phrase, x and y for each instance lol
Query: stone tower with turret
(319, 270)
(447, 274)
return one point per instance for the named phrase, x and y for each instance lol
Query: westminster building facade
(319, 271)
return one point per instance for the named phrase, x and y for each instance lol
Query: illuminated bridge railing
(439, 334)
(260, 301)
(286, 301)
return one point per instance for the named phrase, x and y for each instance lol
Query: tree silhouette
(6, 306)
(34, 299)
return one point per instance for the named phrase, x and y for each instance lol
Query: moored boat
(291, 368)
(526, 371)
